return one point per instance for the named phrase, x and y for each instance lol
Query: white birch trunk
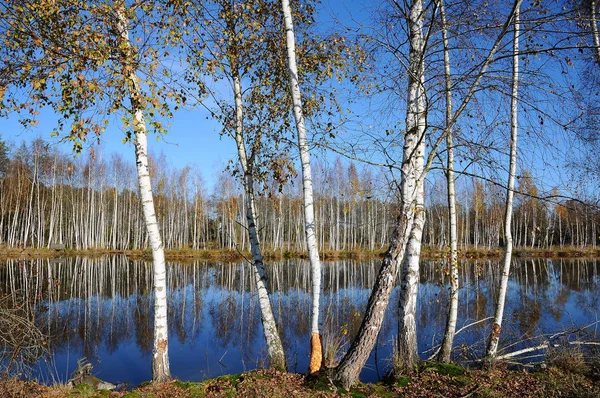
(596, 35)
(415, 128)
(499, 308)
(160, 354)
(274, 347)
(447, 342)
(316, 353)
(349, 368)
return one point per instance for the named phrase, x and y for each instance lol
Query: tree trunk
(415, 126)
(499, 310)
(349, 368)
(160, 354)
(316, 352)
(274, 346)
(447, 342)
(596, 35)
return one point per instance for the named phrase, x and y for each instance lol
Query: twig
(473, 391)
(220, 359)
(473, 324)
(585, 343)
(542, 346)
(439, 346)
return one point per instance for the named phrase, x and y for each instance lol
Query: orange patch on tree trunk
(316, 353)
(496, 330)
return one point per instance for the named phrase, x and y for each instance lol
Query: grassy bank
(270, 254)
(431, 380)
(183, 254)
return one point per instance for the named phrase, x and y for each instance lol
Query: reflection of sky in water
(101, 309)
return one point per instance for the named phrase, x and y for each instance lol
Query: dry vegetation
(270, 254)
(431, 380)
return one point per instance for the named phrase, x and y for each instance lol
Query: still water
(102, 309)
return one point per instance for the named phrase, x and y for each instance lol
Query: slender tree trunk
(499, 310)
(274, 346)
(407, 354)
(415, 123)
(595, 34)
(316, 352)
(160, 355)
(447, 342)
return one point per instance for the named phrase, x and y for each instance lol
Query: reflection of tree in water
(142, 320)
(528, 316)
(250, 327)
(185, 304)
(293, 313)
(87, 304)
(119, 329)
(589, 302)
(556, 307)
(225, 317)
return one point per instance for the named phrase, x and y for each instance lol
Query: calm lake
(102, 309)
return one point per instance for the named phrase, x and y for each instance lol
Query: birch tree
(78, 58)
(508, 239)
(416, 121)
(238, 50)
(160, 354)
(594, 22)
(413, 172)
(351, 364)
(274, 346)
(316, 353)
(446, 347)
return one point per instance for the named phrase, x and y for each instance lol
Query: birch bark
(415, 127)
(316, 352)
(274, 347)
(450, 331)
(596, 35)
(411, 194)
(499, 307)
(160, 353)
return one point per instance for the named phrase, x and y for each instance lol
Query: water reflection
(102, 309)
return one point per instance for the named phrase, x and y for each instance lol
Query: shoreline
(427, 253)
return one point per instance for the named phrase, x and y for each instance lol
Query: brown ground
(433, 380)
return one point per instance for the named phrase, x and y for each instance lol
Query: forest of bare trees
(91, 202)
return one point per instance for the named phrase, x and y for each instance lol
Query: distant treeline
(47, 197)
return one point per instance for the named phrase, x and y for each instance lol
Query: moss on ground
(85, 390)
(445, 369)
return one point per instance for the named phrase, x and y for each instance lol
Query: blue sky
(192, 139)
